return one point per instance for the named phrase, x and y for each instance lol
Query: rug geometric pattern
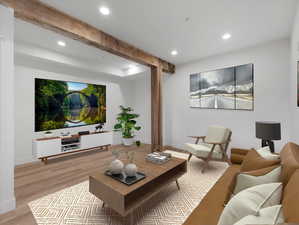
(76, 206)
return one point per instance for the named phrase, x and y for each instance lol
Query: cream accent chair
(213, 146)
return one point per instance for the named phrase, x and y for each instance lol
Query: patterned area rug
(76, 206)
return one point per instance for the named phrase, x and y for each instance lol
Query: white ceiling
(158, 26)
(41, 44)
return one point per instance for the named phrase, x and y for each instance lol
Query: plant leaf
(117, 126)
(137, 128)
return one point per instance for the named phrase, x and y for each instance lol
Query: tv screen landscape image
(63, 104)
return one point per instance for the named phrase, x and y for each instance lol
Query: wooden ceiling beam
(38, 13)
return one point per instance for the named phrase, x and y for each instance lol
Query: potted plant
(126, 124)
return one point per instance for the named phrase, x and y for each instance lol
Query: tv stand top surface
(72, 136)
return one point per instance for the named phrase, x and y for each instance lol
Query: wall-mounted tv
(65, 104)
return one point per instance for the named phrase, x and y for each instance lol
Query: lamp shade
(268, 130)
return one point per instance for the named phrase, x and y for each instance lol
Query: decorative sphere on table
(116, 166)
(131, 170)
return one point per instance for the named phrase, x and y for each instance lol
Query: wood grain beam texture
(36, 12)
(156, 98)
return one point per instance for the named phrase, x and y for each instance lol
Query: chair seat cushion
(203, 150)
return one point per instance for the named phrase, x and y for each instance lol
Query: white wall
(142, 105)
(271, 74)
(7, 106)
(294, 53)
(119, 92)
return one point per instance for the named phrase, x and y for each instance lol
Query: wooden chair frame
(209, 157)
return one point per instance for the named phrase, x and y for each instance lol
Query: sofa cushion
(214, 200)
(256, 173)
(289, 160)
(291, 199)
(254, 161)
(250, 179)
(237, 155)
(266, 153)
(250, 202)
(269, 215)
(236, 158)
(240, 151)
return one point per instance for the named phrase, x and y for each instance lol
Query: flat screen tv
(65, 104)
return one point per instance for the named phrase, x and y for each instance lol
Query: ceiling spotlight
(104, 10)
(226, 36)
(61, 43)
(174, 52)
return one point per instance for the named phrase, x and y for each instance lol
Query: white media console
(45, 148)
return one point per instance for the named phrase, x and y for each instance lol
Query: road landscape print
(228, 88)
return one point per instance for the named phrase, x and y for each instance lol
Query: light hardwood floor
(35, 180)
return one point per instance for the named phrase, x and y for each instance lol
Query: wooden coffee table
(124, 199)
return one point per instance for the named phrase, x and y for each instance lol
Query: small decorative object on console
(99, 127)
(158, 157)
(48, 134)
(116, 166)
(65, 134)
(131, 168)
(83, 133)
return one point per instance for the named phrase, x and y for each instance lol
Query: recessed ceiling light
(61, 43)
(226, 36)
(174, 52)
(104, 10)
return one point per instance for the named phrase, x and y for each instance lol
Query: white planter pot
(128, 141)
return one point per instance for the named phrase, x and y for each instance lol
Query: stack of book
(158, 157)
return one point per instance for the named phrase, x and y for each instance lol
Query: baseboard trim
(7, 205)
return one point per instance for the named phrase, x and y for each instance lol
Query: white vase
(116, 167)
(131, 170)
(128, 141)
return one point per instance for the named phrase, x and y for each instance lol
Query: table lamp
(268, 131)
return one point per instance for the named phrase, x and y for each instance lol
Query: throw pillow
(254, 161)
(250, 179)
(270, 215)
(250, 202)
(259, 172)
(267, 154)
